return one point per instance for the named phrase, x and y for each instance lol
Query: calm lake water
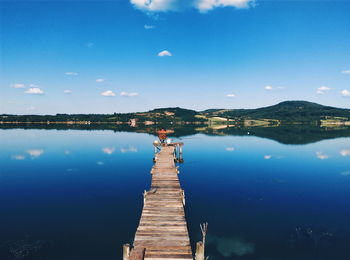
(77, 194)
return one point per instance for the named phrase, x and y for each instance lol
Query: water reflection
(231, 246)
(34, 153)
(18, 157)
(346, 173)
(82, 195)
(322, 156)
(108, 150)
(290, 134)
(345, 152)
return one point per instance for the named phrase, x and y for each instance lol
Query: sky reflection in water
(80, 194)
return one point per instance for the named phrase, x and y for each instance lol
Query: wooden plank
(162, 231)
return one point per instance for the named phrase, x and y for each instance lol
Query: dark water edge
(285, 134)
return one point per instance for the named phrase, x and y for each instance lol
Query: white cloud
(178, 5)
(127, 94)
(34, 91)
(230, 149)
(31, 108)
(70, 73)
(322, 90)
(108, 93)
(345, 152)
(100, 80)
(207, 5)
(267, 157)
(18, 157)
(269, 88)
(345, 93)
(148, 27)
(165, 53)
(230, 95)
(35, 152)
(108, 150)
(346, 72)
(321, 156)
(67, 91)
(156, 5)
(18, 85)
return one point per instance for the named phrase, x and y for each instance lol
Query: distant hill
(288, 111)
(283, 113)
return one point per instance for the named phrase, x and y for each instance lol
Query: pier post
(200, 251)
(180, 153)
(126, 252)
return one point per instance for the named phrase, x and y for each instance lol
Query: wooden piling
(200, 251)
(126, 252)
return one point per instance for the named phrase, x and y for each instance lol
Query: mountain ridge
(283, 112)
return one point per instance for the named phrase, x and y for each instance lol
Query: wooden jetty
(162, 232)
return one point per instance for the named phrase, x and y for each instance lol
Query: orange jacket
(162, 134)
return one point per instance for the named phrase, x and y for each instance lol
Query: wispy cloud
(207, 5)
(229, 149)
(345, 152)
(148, 27)
(108, 150)
(108, 93)
(34, 91)
(35, 152)
(164, 53)
(31, 108)
(267, 157)
(179, 5)
(100, 163)
(67, 91)
(269, 88)
(345, 93)
(322, 90)
(100, 80)
(127, 94)
(321, 156)
(70, 73)
(230, 95)
(346, 72)
(18, 85)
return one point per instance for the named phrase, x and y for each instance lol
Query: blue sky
(121, 56)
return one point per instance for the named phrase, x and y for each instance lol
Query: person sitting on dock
(162, 135)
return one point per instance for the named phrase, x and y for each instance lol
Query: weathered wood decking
(162, 231)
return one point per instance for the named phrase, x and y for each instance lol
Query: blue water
(78, 195)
